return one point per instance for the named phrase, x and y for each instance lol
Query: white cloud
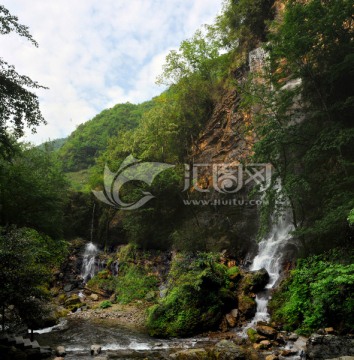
(93, 55)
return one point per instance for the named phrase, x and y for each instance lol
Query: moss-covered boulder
(196, 298)
(226, 350)
(255, 281)
(73, 303)
(247, 306)
(191, 354)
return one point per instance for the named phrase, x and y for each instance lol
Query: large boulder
(190, 354)
(73, 303)
(322, 347)
(226, 350)
(267, 331)
(258, 280)
(247, 306)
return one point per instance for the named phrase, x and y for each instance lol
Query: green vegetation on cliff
(195, 300)
(318, 294)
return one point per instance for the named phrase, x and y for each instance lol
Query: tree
(33, 191)
(306, 131)
(23, 271)
(19, 106)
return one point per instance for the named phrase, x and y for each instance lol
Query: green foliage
(103, 281)
(34, 180)
(86, 142)
(19, 106)
(252, 335)
(105, 304)
(305, 130)
(27, 259)
(319, 293)
(194, 301)
(134, 284)
(243, 23)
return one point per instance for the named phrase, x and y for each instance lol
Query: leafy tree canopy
(19, 106)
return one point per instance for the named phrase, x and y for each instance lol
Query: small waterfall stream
(89, 270)
(270, 256)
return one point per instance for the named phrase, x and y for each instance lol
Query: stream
(77, 336)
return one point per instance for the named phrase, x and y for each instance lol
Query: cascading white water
(269, 257)
(89, 270)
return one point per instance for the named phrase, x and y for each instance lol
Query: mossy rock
(247, 306)
(234, 273)
(252, 335)
(226, 350)
(254, 281)
(191, 354)
(62, 298)
(73, 303)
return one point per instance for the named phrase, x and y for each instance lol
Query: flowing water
(77, 336)
(89, 266)
(270, 257)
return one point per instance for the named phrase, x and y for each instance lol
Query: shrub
(194, 300)
(105, 304)
(319, 293)
(103, 281)
(134, 284)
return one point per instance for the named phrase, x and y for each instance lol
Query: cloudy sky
(94, 54)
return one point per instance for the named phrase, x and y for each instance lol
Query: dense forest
(292, 107)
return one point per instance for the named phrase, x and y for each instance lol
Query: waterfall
(270, 256)
(89, 270)
(92, 222)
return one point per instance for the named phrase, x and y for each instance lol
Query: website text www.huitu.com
(222, 202)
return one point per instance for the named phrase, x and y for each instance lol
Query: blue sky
(94, 54)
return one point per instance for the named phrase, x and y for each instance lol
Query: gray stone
(68, 287)
(192, 354)
(94, 297)
(267, 331)
(96, 349)
(234, 313)
(226, 350)
(293, 337)
(321, 347)
(60, 351)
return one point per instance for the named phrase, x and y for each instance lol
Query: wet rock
(272, 357)
(96, 349)
(293, 337)
(267, 331)
(190, 354)
(231, 320)
(235, 313)
(266, 343)
(259, 279)
(329, 330)
(68, 287)
(247, 306)
(226, 350)
(94, 297)
(60, 351)
(321, 347)
(223, 325)
(288, 352)
(59, 358)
